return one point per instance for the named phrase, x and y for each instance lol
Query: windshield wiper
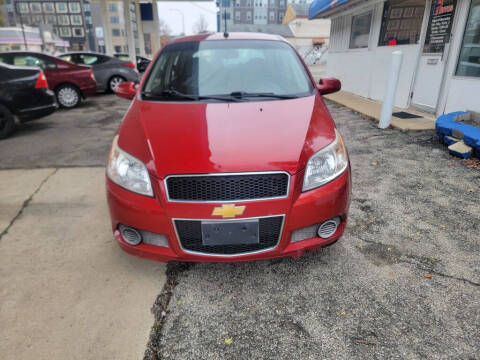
(174, 94)
(243, 94)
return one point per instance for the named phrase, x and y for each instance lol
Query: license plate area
(230, 232)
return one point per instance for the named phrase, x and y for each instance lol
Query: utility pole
(18, 14)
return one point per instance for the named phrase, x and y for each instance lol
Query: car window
(31, 60)
(66, 58)
(222, 67)
(88, 59)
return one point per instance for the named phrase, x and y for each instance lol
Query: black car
(142, 62)
(24, 95)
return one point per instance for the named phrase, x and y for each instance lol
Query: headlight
(326, 165)
(127, 171)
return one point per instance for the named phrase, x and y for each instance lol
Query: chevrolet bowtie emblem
(228, 211)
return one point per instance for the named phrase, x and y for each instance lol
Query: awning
(320, 6)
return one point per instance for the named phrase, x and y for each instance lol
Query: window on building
(48, 8)
(147, 40)
(249, 3)
(37, 19)
(249, 15)
(115, 32)
(78, 32)
(282, 3)
(227, 16)
(88, 20)
(237, 3)
(225, 3)
(61, 7)
(360, 31)
(114, 20)
(86, 7)
(125, 48)
(23, 8)
(237, 15)
(112, 7)
(65, 32)
(117, 48)
(63, 20)
(280, 17)
(36, 8)
(26, 19)
(469, 59)
(272, 3)
(74, 7)
(51, 19)
(401, 22)
(76, 19)
(271, 15)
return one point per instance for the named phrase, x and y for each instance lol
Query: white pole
(389, 98)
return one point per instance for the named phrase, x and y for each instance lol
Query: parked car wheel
(68, 96)
(114, 81)
(7, 122)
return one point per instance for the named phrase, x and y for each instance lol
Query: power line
(201, 7)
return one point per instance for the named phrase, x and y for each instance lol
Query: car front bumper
(300, 210)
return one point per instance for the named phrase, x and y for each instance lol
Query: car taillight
(41, 81)
(129, 64)
(92, 76)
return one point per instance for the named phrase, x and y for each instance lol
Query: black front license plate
(230, 232)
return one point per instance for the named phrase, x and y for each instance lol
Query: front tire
(68, 96)
(114, 82)
(7, 122)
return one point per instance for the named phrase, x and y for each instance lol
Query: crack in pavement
(26, 203)
(402, 259)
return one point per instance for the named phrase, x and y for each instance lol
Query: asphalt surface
(402, 283)
(77, 137)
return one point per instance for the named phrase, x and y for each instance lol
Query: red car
(70, 82)
(227, 153)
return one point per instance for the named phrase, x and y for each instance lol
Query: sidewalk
(372, 109)
(67, 291)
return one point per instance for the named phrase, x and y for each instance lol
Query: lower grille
(190, 236)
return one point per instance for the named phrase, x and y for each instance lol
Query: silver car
(108, 71)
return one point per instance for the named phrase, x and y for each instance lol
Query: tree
(164, 28)
(201, 26)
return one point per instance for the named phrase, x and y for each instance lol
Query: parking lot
(403, 282)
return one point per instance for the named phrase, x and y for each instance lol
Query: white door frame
(456, 39)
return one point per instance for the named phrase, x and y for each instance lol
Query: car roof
(231, 36)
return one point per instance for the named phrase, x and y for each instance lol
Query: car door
(96, 61)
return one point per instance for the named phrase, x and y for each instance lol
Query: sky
(191, 11)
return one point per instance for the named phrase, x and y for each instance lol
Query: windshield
(207, 68)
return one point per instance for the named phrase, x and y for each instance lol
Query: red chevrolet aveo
(227, 153)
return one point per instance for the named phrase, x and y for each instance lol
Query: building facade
(71, 20)
(244, 12)
(439, 39)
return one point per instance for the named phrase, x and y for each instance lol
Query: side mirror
(329, 85)
(126, 90)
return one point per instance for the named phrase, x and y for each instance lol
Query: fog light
(130, 235)
(154, 239)
(328, 228)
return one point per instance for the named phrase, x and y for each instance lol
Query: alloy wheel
(115, 81)
(68, 97)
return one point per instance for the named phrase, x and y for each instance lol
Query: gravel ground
(77, 137)
(402, 283)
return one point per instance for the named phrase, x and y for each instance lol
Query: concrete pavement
(66, 290)
(373, 109)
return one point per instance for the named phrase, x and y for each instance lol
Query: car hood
(188, 138)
